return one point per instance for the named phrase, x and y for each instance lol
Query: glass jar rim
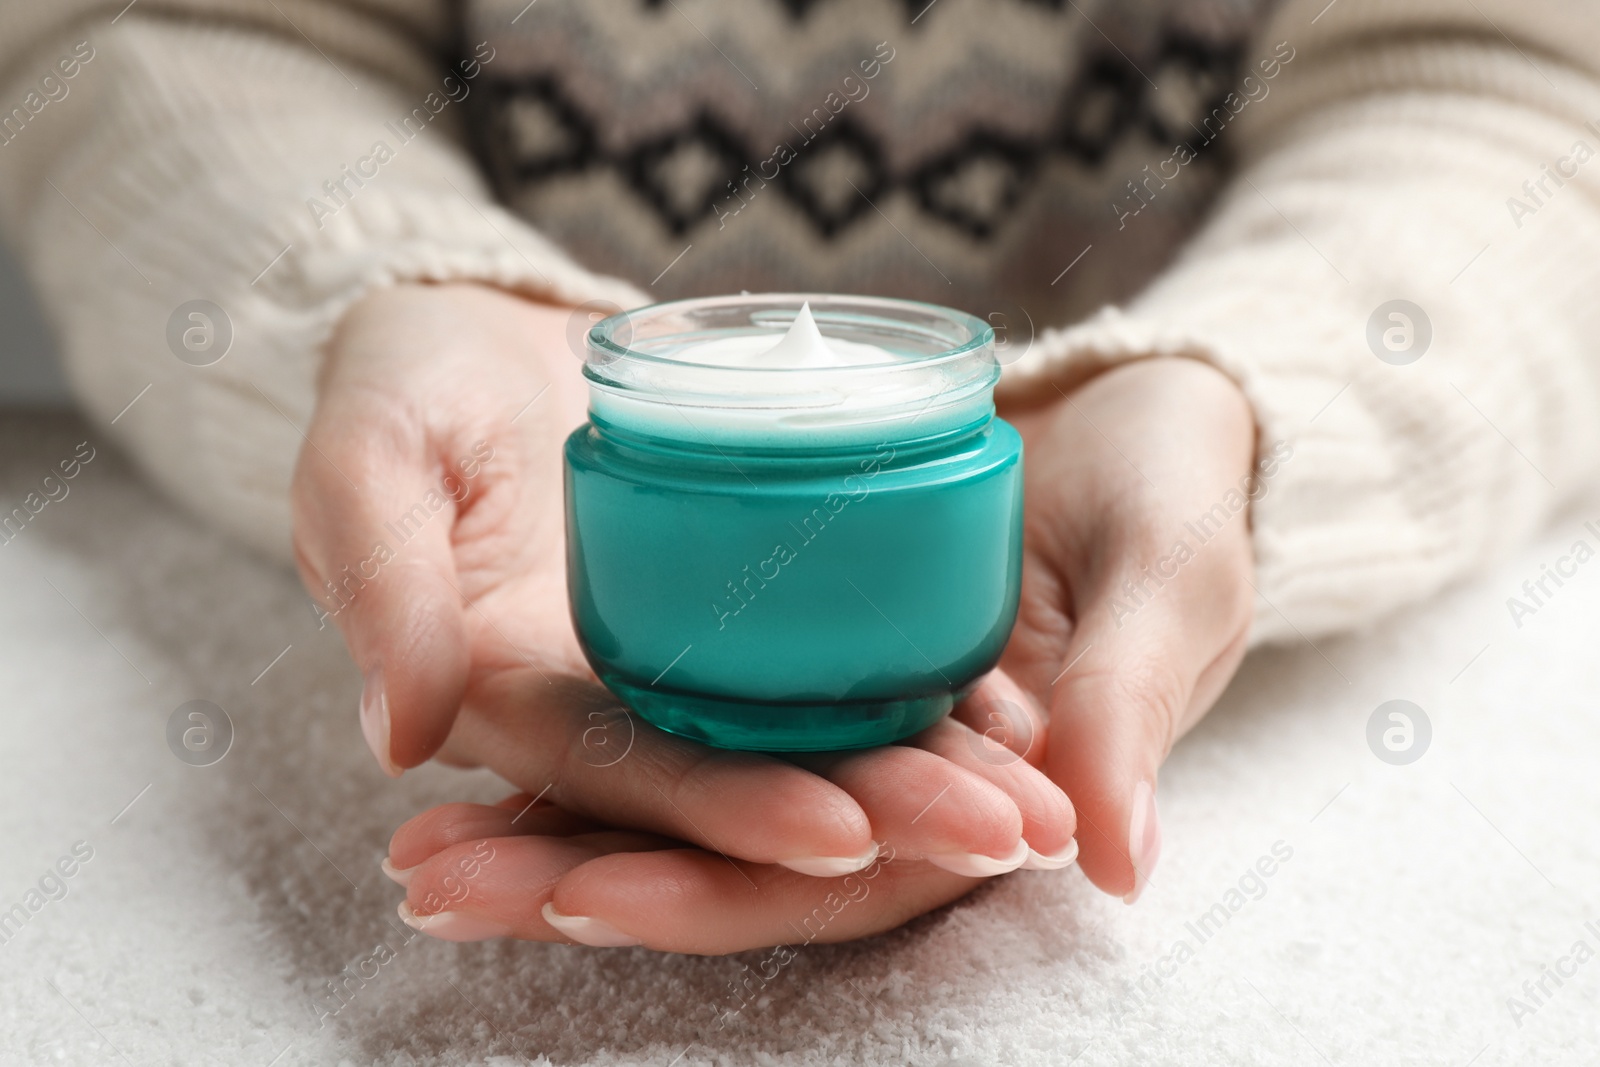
(602, 341)
(939, 372)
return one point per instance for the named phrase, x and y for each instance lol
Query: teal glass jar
(793, 554)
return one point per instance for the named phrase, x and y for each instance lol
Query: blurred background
(29, 375)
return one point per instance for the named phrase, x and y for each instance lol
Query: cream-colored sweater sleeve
(1388, 163)
(1382, 166)
(179, 162)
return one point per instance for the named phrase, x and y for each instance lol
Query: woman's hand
(1137, 595)
(430, 497)
(1143, 475)
(530, 869)
(427, 503)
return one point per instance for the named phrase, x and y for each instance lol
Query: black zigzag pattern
(684, 174)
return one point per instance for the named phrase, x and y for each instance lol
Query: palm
(479, 662)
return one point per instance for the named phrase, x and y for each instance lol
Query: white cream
(742, 387)
(801, 348)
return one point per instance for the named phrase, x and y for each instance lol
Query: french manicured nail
(831, 866)
(588, 931)
(375, 720)
(973, 865)
(397, 875)
(1040, 861)
(452, 925)
(1144, 838)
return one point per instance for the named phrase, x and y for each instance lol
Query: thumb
(1136, 675)
(373, 529)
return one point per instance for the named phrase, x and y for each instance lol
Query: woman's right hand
(430, 495)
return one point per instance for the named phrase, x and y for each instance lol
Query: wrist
(1210, 393)
(448, 334)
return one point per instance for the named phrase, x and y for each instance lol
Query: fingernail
(588, 931)
(398, 875)
(452, 925)
(973, 865)
(375, 720)
(831, 866)
(1054, 861)
(1144, 838)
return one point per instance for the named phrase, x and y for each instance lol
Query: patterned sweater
(1373, 214)
(963, 153)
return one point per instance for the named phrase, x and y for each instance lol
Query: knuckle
(1154, 690)
(1163, 694)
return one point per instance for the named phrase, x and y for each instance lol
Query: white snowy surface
(1417, 899)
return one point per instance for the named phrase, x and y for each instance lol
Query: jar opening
(712, 368)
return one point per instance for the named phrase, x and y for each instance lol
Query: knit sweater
(1372, 214)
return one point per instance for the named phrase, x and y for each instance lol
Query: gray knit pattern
(966, 152)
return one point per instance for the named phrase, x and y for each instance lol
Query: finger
(686, 900)
(443, 827)
(571, 737)
(935, 809)
(1008, 721)
(618, 889)
(1006, 727)
(928, 807)
(495, 887)
(374, 509)
(1048, 821)
(1134, 686)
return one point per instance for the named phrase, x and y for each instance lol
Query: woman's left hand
(1137, 592)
